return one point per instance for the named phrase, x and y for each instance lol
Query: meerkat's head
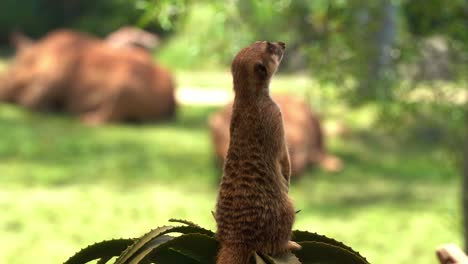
(253, 66)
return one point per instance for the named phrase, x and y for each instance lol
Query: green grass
(64, 185)
(222, 80)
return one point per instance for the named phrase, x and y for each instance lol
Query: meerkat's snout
(276, 47)
(282, 49)
(277, 50)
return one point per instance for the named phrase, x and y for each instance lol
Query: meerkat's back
(253, 211)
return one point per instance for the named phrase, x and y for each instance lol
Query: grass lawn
(64, 185)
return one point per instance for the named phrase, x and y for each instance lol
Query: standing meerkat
(253, 210)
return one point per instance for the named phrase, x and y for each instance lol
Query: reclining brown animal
(131, 36)
(83, 75)
(304, 135)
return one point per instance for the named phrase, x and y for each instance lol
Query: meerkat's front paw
(293, 245)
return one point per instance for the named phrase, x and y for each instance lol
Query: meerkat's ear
(261, 70)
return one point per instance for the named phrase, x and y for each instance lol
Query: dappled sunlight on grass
(53, 223)
(3, 64)
(282, 83)
(205, 79)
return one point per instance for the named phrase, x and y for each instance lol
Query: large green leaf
(147, 248)
(169, 256)
(150, 240)
(323, 253)
(101, 250)
(193, 244)
(260, 260)
(286, 259)
(304, 236)
(196, 228)
(104, 260)
(183, 221)
(198, 247)
(132, 251)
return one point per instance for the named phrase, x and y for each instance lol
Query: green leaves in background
(192, 244)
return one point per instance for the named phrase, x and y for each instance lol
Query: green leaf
(323, 253)
(304, 236)
(147, 248)
(101, 250)
(169, 256)
(289, 258)
(182, 221)
(199, 229)
(191, 230)
(104, 260)
(259, 260)
(131, 251)
(145, 244)
(198, 247)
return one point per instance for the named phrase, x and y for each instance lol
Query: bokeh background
(389, 76)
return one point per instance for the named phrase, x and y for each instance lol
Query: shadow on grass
(338, 196)
(53, 149)
(378, 172)
(371, 153)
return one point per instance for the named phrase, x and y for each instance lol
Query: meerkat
(253, 210)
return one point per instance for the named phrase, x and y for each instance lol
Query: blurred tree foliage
(433, 16)
(336, 41)
(366, 47)
(37, 17)
(359, 44)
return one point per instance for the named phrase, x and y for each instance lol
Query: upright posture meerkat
(253, 211)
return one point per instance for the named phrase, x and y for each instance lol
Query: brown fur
(20, 41)
(304, 135)
(120, 84)
(131, 36)
(253, 211)
(39, 71)
(74, 72)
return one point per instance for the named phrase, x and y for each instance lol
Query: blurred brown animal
(35, 77)
(304, 135)
(131, 36)
(77, 73)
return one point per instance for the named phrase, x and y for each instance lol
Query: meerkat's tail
(232, 255)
